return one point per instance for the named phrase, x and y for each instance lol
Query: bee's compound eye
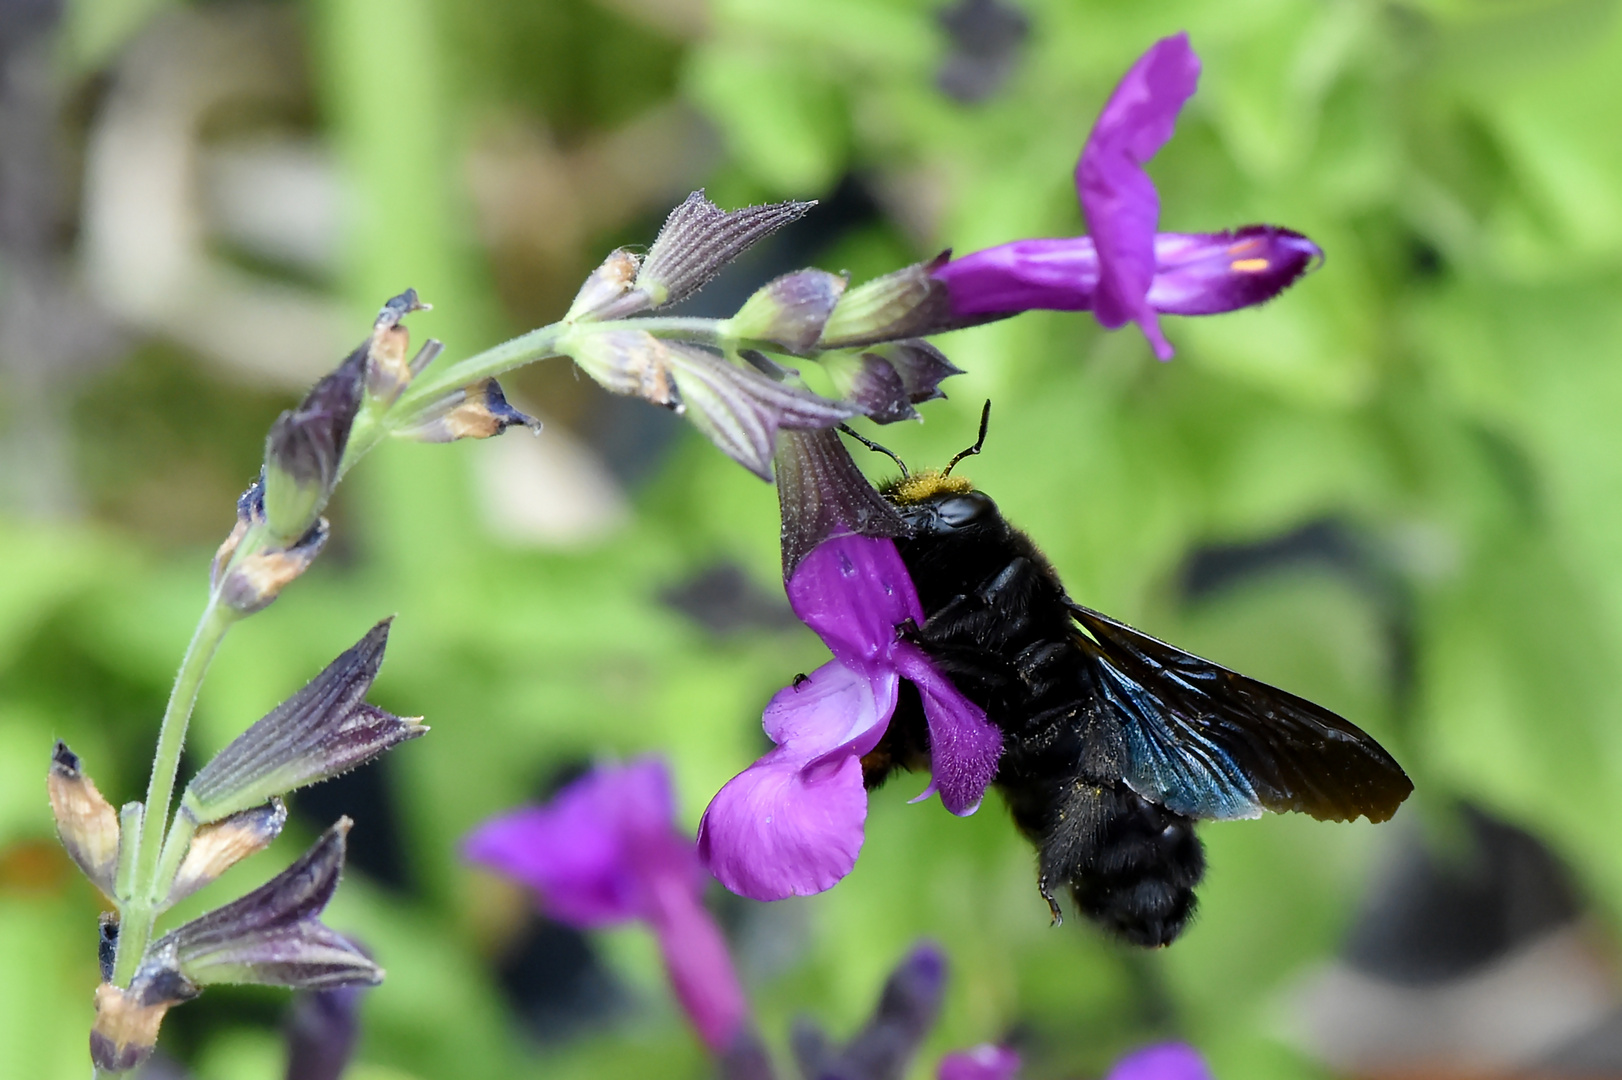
(965, 509)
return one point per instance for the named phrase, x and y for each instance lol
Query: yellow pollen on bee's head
(922, 485)
(1248, 266)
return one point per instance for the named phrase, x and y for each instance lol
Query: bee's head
(933, 503)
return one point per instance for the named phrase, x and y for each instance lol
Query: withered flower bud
(125, 1030)
(824, 495)
(886, 381)
(906, 303)
(272, 936)
(85, 821)
(473, 412)
(607, 293)
(633, 363)
(305, 446)
(699, 238)
(220, 845)
(325, 729)
(790, 311)
(255, 580)
(387, 370)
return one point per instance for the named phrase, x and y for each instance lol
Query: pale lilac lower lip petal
(778, 830)
(1212, 273)
(983, 1062)
(1168, 1061)
(832, 711)
(964, 747)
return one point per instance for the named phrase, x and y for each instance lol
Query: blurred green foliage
(1446, 387)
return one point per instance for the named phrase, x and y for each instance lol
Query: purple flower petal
(698, 963)
(791, 823)
(1167, 1061)
(580, 852)
(854, 591)
(1117, 196)
(1209, 273)
(984, 1062)
(1052, 275)
(964, 748)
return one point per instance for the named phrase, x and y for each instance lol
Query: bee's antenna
(985, 422)
(871, 445)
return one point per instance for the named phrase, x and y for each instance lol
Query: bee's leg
(1046, 889)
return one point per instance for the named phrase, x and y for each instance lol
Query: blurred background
(1396, 490)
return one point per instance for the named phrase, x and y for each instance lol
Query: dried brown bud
(607, 292)
(387, 370)
(217, 847)
(629, 362)
(85, 820)
(125, 1030)
(473, 412)
(255, 580)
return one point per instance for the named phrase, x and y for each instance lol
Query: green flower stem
(139, 911)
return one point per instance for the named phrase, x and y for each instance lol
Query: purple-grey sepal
(746, 1058)
(886, 381)
(906, 303)
(85, 821)
(479, 411)
(272, 936)
(305, 446)
(741, 410)
(325, 729)
(823, 494)
(884, 1048)
(220, 845)
(699, 238)
(388, 372)
(789, 312)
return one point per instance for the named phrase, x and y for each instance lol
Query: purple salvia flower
(987, 1061)
(791, 824)
(1164, 1061)
(1126, 271)
(606, 851)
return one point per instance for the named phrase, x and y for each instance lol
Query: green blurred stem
(139, 911)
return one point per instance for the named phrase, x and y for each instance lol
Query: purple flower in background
(791, 823)
(606, 850)
(1125, 271)
(1164, 1061)
(984, 1062)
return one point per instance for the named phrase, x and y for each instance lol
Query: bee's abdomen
(1132, 868)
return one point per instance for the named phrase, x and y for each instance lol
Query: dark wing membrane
(1207, 742)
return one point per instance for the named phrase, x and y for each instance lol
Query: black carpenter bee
(1115, 743)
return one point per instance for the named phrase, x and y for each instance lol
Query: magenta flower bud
(606, 851)
(1126, 271)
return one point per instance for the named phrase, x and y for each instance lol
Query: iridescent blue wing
(1207, 742)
